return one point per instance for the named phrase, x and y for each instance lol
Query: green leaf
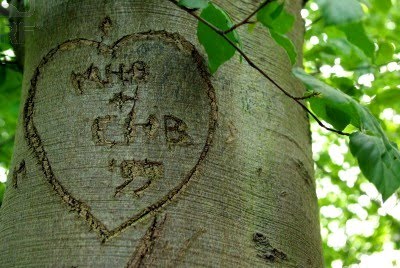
(382, 5)
(379, 160)
(274, 17)
(286, 43)
(269, 13)
(278, 21)
(385, 53)
(3, 71)
(356, 35)
(12, 79)
(339, 118)
(5, 45)
(194, 4)
(337, 12)
(334, 99)
(10, 92)
(346, 85)
(337, 46)
(335, 107)
(217, 48)
(388, 98)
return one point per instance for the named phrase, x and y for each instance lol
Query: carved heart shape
(137, 117)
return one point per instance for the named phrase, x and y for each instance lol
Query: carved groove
(146, 245)
(36, 144)
(17, 173)
(266, 251)
(186, 246)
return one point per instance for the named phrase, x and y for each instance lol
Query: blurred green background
(357, 229)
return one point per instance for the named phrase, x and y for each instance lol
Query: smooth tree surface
(129, 153)
(352, 47)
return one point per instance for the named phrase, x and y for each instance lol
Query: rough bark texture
(129, 154)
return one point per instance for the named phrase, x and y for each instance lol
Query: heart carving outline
(35, 143)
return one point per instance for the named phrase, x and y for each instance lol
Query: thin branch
(253, 65)
(309, 96)
(319, 121)
(221, 33)
(247, 20)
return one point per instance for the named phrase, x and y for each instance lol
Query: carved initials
(175, 131)
(136, 72)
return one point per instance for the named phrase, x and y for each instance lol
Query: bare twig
(313, 94)
(253, 65)
(247, 20)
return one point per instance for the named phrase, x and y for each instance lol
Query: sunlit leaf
(356, 35)
(384, 53)
(336, 12)
(379, 161)
(388, 98)
(382, 5)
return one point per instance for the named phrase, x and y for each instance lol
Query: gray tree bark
(129, 154)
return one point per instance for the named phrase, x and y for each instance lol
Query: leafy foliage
(276, 18)
(356, 35)
(10, 89)
(287, 44)
(329, 56)
(379, 159)
(279, 22)
(346, 15)
(217, 48)
(9, 103)
(340, 11)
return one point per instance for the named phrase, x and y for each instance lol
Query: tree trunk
(129, 154)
